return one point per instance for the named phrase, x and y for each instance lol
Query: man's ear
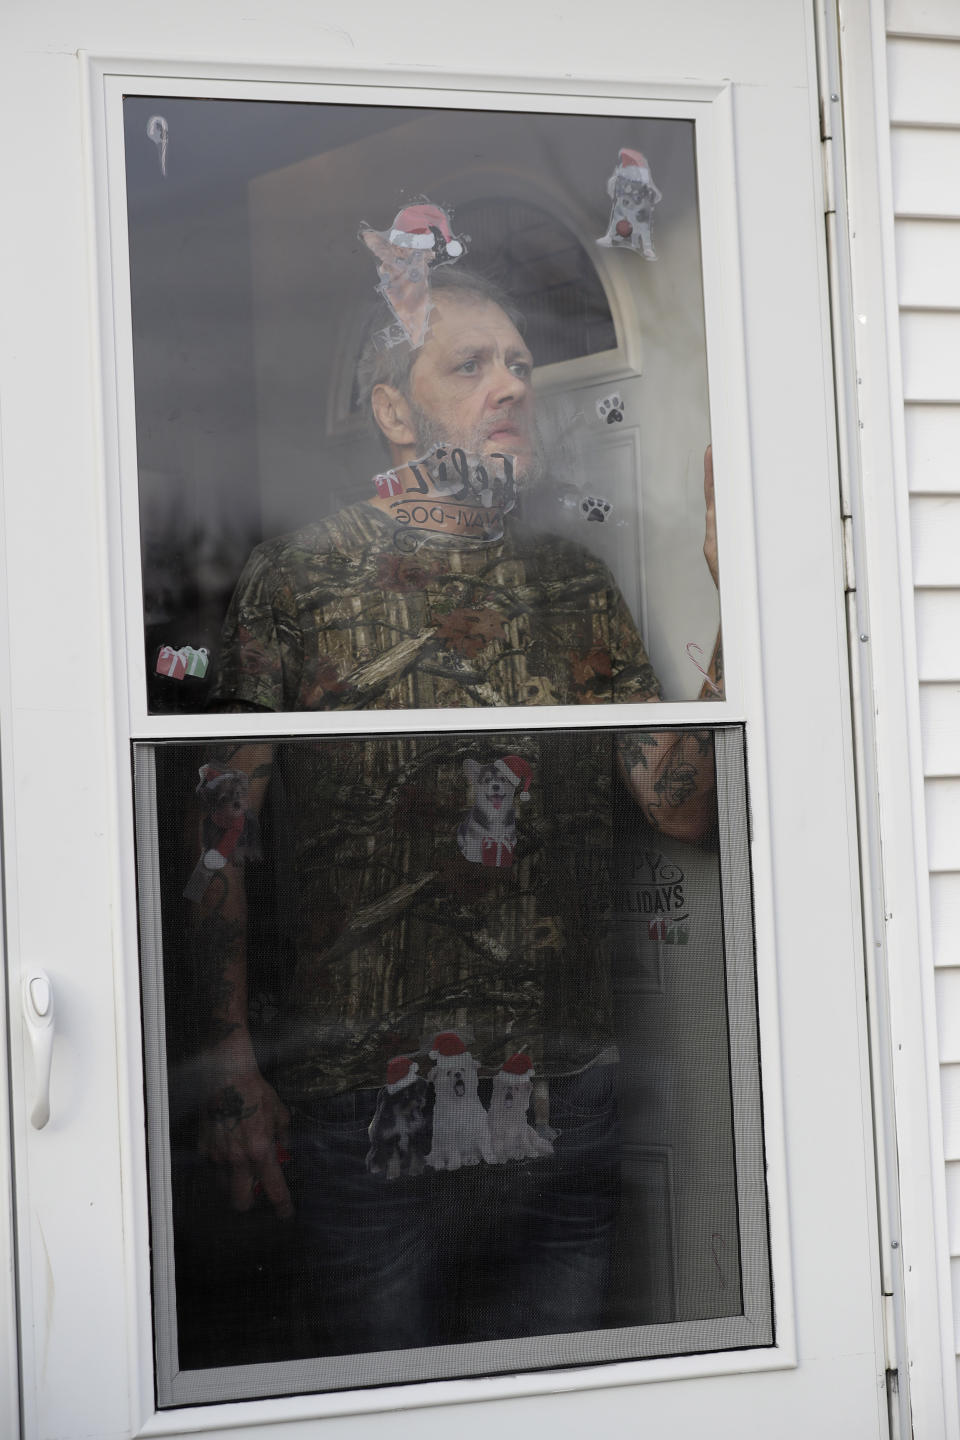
(391, 410)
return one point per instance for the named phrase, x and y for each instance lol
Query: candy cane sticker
(691, 646)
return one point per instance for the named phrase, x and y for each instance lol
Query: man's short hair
(381, 364)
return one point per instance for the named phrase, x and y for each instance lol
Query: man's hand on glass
(244, 1125)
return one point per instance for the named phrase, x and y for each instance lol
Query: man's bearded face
(529, 464)
(470, 386)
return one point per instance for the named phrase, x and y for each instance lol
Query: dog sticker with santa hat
(399, 1132)
(487, 834)
(420, 237)
(461, 1130)
(634, 195)
(514, 1138)
(229, 830)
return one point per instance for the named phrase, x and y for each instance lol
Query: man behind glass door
(435, 1244)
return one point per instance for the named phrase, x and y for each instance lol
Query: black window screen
(509, 1031)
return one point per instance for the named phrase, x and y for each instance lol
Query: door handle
(38, 1013)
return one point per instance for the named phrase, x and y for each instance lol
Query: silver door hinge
(849, 569)
(890, 1361)
(829, 187)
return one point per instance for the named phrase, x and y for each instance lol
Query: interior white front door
(179, 300)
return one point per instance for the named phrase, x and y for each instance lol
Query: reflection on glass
(440, 1071)
(421, 406)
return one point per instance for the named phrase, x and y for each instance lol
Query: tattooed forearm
(632, 747)
(224, 820)
(221, 752)
(679, 774)
(672, 777)
(218, 944)
(219, 941)
(675, 784)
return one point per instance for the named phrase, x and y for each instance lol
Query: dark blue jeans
(486, 1252)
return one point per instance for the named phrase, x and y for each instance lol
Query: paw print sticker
(610, 409)
(595, 508)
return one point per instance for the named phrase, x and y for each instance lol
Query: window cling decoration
(461, 1128)
(187, 660)
(487, 835)
(465, 493)
(400, 1129)
(408, 1135)
(634, 195)
(514, 1138)
(228, 829)
(159, 132)
(421, 236)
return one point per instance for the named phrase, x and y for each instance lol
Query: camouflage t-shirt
(442, 882)
(445, 882)
(336, 616)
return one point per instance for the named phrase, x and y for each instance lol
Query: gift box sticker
(172, 663)
(387, 484)
(187, 660)
(197, 662)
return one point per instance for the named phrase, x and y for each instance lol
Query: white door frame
(9, 1348)
(915, 1255)
(896, 889)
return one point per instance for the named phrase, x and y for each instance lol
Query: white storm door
(76, 722)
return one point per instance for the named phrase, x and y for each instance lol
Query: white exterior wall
(923, 55)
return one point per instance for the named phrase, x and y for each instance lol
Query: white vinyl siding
(923, 53)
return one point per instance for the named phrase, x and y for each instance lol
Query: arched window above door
(543, 267)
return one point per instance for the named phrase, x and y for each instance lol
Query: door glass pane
(324, 296)
(487, 1097)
